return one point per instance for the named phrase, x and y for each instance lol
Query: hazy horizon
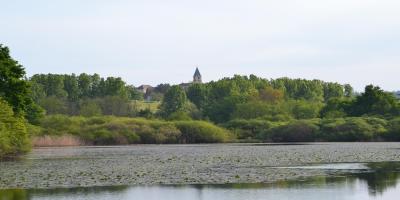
(154, 41)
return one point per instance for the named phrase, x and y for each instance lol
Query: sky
(162, 41)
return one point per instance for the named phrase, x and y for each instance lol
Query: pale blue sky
(157, 41)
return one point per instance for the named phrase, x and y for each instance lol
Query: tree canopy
(13, 88)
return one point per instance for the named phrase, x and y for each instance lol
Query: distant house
(143, 88)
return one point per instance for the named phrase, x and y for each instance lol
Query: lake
(230, 171)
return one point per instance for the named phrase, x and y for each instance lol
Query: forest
(91, 110)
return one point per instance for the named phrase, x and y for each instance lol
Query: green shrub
(249, 129)
(394, 129)
(348, 129)
(297, 131)
(201, 132)
(61, 124)
(179, 115)
(13, 132)
(108, 130)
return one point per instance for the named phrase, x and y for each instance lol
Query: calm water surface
(360, 181)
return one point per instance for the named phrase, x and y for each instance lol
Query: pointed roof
(197, 72)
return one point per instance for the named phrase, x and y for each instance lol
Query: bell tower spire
(197, 76)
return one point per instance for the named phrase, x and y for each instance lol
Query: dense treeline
(87, 95)
(289, 109)
(254, 97)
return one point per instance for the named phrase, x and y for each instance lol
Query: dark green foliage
(250, 129)
(174, 101)
(333, 90)
(197, 94)
(14, 89)
(348, 90)
(375, 101)
(336, 107)
(34, 113)
(296, 131)
(71, 86)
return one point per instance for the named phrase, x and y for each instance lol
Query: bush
(122, 130)
(297, 131)
(13, 132)
(394, 129)
(249, 129)
(202, 132)
(348, 129)
(179, 115)
(61, 124)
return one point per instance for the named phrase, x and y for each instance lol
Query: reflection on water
(380, 181)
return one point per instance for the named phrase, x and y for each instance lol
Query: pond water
(358, 181)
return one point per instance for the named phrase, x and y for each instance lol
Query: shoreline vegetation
(86, 109)
(110, 130)
(61, 130)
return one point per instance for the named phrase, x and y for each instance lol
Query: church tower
(197, 76)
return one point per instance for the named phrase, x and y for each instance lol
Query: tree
(197, 94)
(53, 105)
(268, 94)
(375, 101)
(71, 86)
(13, 134)
(174, 101)
(13, 88)
(133, 93)
(162, 88)
(115, 87)
(89, 108)
(348, 90)
(336, 107)
(305, 109)
(333, 90)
